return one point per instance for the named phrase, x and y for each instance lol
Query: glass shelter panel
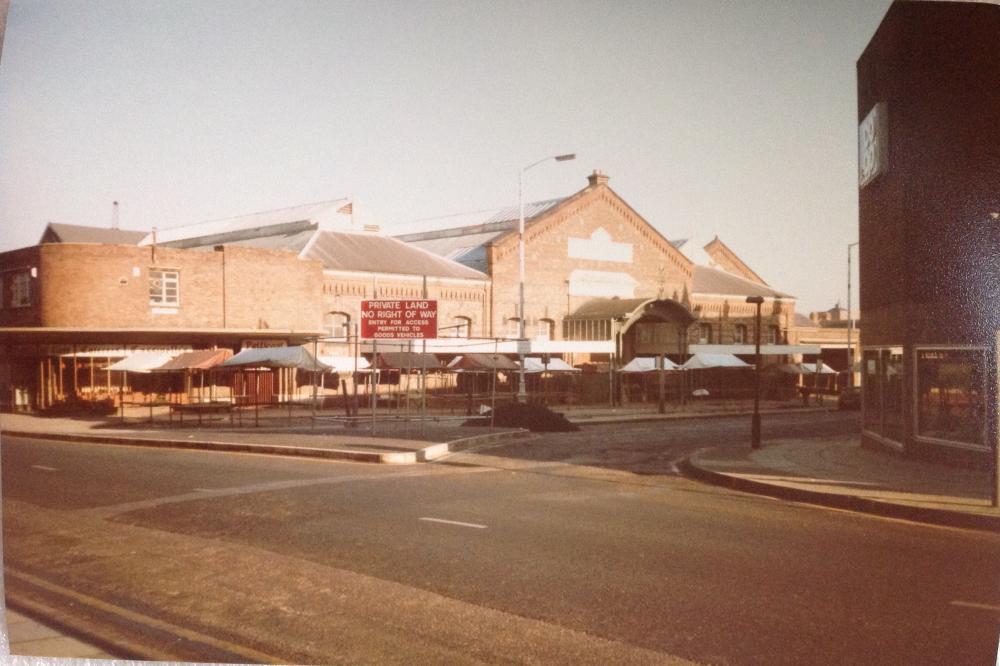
(950, 395)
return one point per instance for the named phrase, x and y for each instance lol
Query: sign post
(390, 319)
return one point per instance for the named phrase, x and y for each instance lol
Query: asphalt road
(571, 548)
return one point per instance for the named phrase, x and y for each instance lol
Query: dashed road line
(454, 522)
(972, 604)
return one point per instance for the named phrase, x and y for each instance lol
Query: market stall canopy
(276, 357)
(804, 369)
(345, 364)
(406, 361)
(202, 359)
(824, 369)
(142, 361)
(532, 364)
(647, 364)
(702, 361)
(481, 363)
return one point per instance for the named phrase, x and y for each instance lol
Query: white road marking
(454, 522)
(47, 469)
(972, 604)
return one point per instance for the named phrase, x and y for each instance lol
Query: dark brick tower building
(929, 203)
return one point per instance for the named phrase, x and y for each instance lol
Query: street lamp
(522, 394)
(850, 319)
(755, 423)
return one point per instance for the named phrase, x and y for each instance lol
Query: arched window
(513, 327)
(740, 334)
(705, 334)
(337, 324)
(545, 329)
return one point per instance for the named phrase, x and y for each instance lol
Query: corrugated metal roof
(463, 237)
(714, 281)
(468, 250)
(607, 308)
(316, 213)
(291, 241)
(501, 217)
(382, 254)
(76, 233)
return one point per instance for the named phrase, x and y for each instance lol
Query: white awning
(749, 350)
(532, 364)
(646, 364)
(701, 361)
(142, 361)
(344, 364)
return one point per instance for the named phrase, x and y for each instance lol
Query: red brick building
(600, 280)
(66, 307)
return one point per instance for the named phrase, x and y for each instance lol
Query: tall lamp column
(522, 393)
(755, 423)
(850, 319)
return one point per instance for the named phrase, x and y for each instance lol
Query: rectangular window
(882, 378)
(20, 290)
(164, 287)
(872, 392)
(891, 378)
(740, 334)
(951, 404)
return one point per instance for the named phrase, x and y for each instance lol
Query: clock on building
(872, 145)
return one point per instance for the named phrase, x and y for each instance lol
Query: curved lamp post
(521, 392)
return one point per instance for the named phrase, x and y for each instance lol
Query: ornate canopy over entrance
(643, 325)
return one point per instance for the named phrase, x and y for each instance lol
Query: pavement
(835, 472)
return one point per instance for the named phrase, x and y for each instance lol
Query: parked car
(849, 398)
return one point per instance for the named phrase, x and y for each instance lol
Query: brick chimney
(597, 178)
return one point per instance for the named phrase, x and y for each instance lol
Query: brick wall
(107, 286)
(469, 299)
(658, 269)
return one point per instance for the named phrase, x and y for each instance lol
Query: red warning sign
(398, 320)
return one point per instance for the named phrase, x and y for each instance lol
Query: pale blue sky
(728, 118)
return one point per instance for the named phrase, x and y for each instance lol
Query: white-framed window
(740, 334)
(164, 287)
(337, 324)
(461, 327)
(20, 290)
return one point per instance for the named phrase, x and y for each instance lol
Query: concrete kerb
(920, 514)
(426, 454)
(648, 418)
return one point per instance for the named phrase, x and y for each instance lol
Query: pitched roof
(76, 233)
(254, 225)
(381, 254)
(464, 223)
(463, 237)
(714, 281)
(722, 255)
